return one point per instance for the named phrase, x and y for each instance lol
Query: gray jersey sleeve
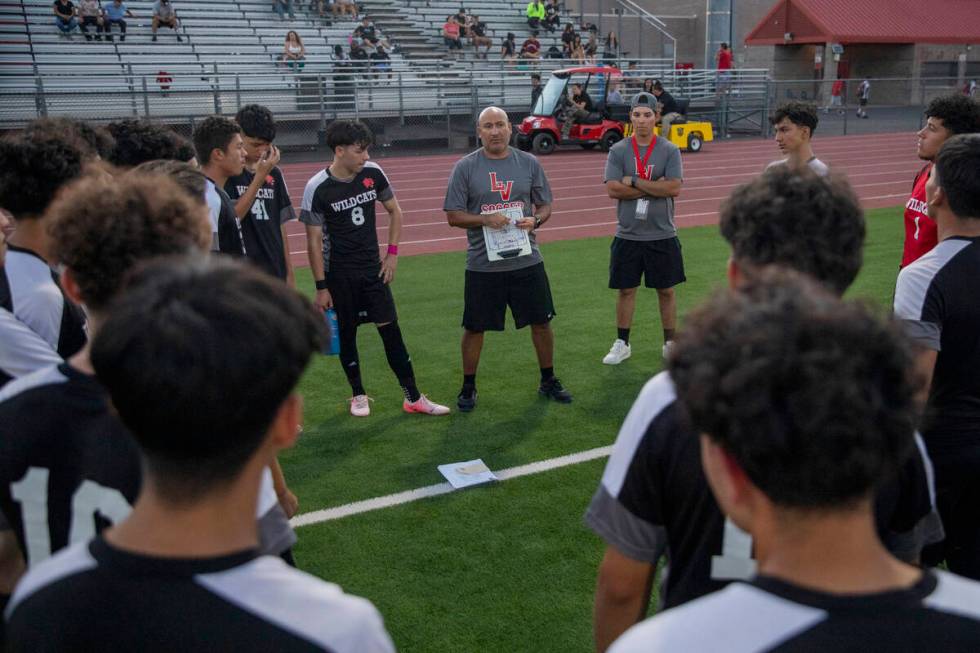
(674, 168)
(615, 166)
(457, 192)
(22, 351)
(308, 212)
(540, 189)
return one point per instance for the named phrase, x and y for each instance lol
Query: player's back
(94, 596)
(67, 466)
(940, 612)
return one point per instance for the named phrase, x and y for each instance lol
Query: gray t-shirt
(664, 163)
(814, 164)
(482, 185)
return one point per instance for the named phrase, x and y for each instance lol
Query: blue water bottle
(332, 348)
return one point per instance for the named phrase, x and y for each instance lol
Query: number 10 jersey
(344, 208)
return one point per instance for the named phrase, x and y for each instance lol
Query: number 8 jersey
(345, 210)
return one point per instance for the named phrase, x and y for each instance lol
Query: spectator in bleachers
(568, 39)
(508, 50)
(64, 16)
(610, 49)
(282, 7)
(359, 56)
(478, 36)
(535, 14)
(631, 77)
(614, 96)
(648, 85)
(463, 19)
(450, 35)
(339, 56)
(367, 32)
(293, 51)
(344, 8)
(552, 16)
(578, 50)
(90, 12)
(381, 62)
(164, 14)
(115, 14)
(531, 48)
(592, 47)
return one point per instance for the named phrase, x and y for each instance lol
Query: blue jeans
(66, 26)
(282, 6)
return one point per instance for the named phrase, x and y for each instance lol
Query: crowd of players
(804, 464)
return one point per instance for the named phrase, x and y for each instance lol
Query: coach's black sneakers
(553, 389)
(466, 399)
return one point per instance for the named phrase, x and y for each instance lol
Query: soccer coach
(484, 185)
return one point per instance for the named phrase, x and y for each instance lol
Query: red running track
(880, 167)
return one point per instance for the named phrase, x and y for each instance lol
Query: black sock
(398, 359)
(547, 373)
(469, 380)
(349, 359)
(669, 334)
(623, 334)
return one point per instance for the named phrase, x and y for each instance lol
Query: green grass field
(507, 567)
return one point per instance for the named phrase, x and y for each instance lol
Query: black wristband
(321, 284)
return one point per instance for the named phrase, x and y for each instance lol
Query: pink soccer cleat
(360, 406)
(425, 406)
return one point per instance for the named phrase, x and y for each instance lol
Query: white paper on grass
(465, 474)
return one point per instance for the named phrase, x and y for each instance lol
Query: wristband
(321, 284)
(393, 249)
(537, 222)
(633, 181)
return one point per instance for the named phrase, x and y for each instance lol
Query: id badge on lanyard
(642, 204)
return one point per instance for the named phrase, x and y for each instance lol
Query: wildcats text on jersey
(918, 206)
(263, 194)
(351, 202)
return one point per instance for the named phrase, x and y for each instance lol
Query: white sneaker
(360, 406)
(619, 352)
(668, 346)
(425, 406)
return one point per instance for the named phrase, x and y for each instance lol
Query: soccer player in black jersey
(342, 243)
(804, 405)
(39, 326)
(221, 153)
(67, 467)
(654, 500)
(182, 571)
(938, 300)
(260, 195)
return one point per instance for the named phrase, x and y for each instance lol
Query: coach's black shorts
(659, 261)
(488, 294)
(360, 298)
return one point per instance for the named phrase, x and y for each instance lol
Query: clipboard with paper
(509, 242)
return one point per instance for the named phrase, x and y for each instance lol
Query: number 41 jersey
(344, 208)
(68, 467)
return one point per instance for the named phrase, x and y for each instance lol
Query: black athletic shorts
(360, 298)
(659, 261)
(488, 294)
(957, 497)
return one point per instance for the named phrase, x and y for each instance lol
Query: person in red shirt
(945, 117)
(724, 63)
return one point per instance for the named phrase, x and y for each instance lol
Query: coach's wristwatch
(537, 222)
(321, 284)
(633, 181)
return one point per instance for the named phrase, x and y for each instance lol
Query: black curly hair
(797, 219)
(213, 133)
(811, 396)
(801, 114)
(35, 167)
(101, 227)
(960, 114)
(256, 121)
(348, 132)
(138, 141)
(97, 140)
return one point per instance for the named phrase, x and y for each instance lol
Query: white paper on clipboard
(509, 242)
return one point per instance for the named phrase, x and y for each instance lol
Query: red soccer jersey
(920, 230)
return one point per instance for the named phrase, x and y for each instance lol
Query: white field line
(377, 503)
